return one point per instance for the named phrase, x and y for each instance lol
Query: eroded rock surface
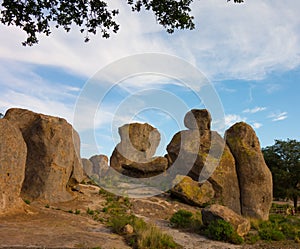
(255, 178)
(203, 155)
(53, 164)
(193, 192)
(13, 153)
(133, 156)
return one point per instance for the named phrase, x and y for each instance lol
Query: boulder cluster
(39, 158)
(208, 169)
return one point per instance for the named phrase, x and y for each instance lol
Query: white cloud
(245, 41)
(231, 119)
(278, 116)
(255, 110)
(257, 125)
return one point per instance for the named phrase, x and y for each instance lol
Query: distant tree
(1, 115)
(36, 16)
(283, 159)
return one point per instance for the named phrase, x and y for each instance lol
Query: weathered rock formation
(193, 192)
(96, 166)
(198, 119)
(203, 154)
(215, 212)
(53, 164)
(100, 164)
(255, 178)
(12, 167)
(133, 156)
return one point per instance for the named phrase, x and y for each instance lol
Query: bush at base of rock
(222, 230)
(218, 212)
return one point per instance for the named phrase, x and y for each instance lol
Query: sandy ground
(55, 227)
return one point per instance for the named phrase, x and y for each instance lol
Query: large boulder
(255, 178)
(218, 212)
(13, 153)
(53, 164)
(133, 156)
(204, 155)
(193, 192)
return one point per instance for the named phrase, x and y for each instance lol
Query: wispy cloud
(255, 110)
(257, 125)
(278, 116)
(220, 46)
(231, 119)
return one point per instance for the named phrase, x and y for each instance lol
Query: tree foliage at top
(92, 16)
(283, 159)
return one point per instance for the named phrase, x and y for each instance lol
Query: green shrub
(271, 234)
(77, 211)
(223, 231)
(90, 212)
(47, 206)
(181, 219)
(145, 236)
(27, 202)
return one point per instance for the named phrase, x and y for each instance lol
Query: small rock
(128, 229)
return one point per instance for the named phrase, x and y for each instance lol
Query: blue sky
(249, 52)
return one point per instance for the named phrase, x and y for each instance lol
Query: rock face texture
(96, 166)
(255, 178)
(133, 156)
(12, 166)
(193, 192)
(87, 167)
(215, 212)
(198, 119)
(53, 164)
(100, 164)
(203, 154)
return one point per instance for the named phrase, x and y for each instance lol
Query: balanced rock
(13, 153)
(205, 156)
(255, 178)
(53, 164)
(218, 212)
(133, 156)
(198, 119)
(193, 192)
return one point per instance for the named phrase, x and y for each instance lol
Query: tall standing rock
(255, 178)
(133, 156)
(203, 155)
(12, 166)
(53, 164)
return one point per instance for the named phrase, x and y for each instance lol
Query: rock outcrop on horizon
(203, 155)
(96, 166)
(218, 212)
(53, 164)
(13, 153)
(134, 155)
(255, 178)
